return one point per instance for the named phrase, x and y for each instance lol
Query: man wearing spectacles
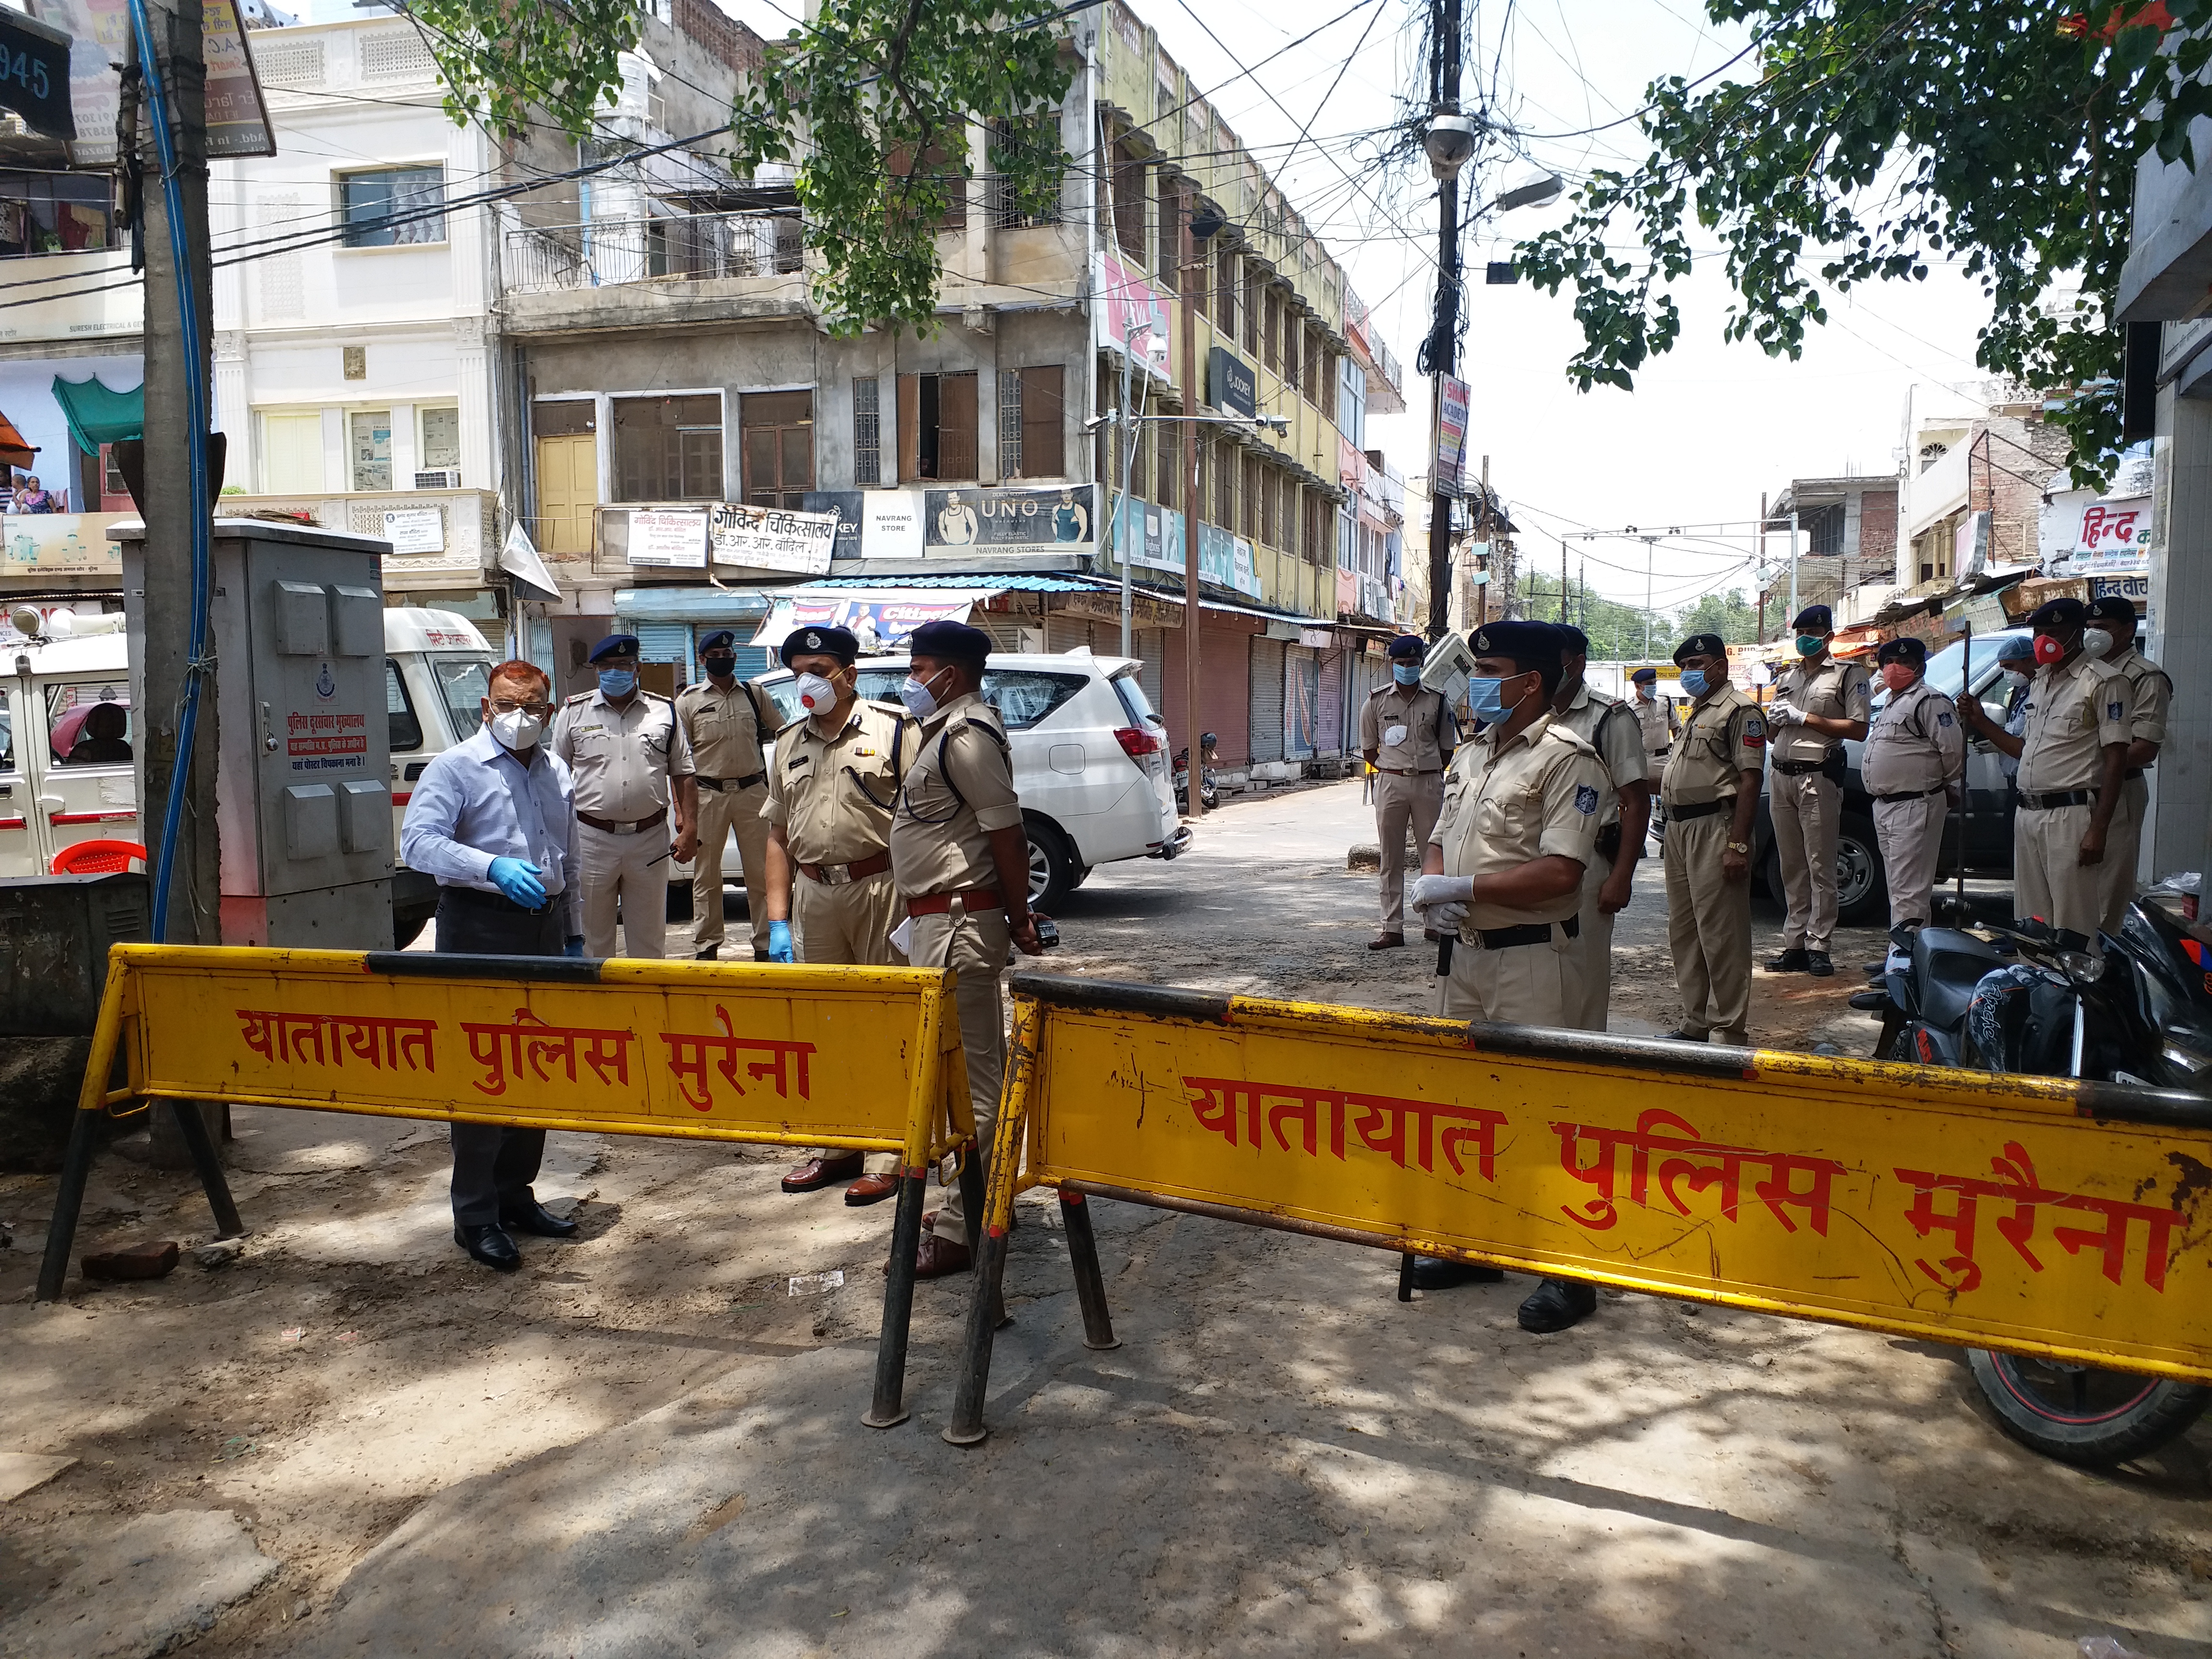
(492, 819)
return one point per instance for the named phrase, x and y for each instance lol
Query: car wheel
(1862, 890)
(407, 928)
(1052, 868)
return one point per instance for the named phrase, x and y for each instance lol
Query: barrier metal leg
(209, 1163)
(61, 1231)
(1090, 1285)
(889, 1407)
(1406, 1276)
(967, 1428)
(974, 1186)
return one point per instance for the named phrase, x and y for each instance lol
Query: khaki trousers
(1402, 799)
(2123, 847)
(1910, 834)
(1592, 955)
(974, 944)
(847, 924)
(632, 868)
(1521, 985)
(1709, 929)
(722, 810)
(2049, 879)
(1807, 815)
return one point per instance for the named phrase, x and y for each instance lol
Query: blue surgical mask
(1810, 645)
(1405, 673)
(1487, 702)
(617, 682)
(1693, 682)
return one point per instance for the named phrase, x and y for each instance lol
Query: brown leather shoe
(938, 1257)
(870, 1189)
(1386, 942)
(819, 1172)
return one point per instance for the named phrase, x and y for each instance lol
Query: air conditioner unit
(448, 479)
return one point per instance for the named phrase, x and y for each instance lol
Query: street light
(1538, 187)
(1448, 143)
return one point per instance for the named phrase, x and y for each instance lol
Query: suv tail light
(1137, 743)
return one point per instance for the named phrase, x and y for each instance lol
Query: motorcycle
(2010, 999)
(1208, 796)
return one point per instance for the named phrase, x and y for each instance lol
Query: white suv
(1090, 758)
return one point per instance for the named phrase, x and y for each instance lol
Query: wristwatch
(1739, 847)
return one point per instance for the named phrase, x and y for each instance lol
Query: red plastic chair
(96, 858)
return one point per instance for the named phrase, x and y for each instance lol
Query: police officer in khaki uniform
(1504, 872)
(631, 766)
(1817, 704)
(1656, 715)
(1710, 792)
(1407, 734)
(1614, 730)
(725, 723)
(2114, 617)
(828, 818)
(1914, 748)
(961, 865)
(2073, 758)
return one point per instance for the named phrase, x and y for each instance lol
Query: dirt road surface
(354, 1441)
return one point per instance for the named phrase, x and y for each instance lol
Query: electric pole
(1449, 144)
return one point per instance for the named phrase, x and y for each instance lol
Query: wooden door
(568, 491)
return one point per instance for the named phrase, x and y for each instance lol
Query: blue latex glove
(573, 946)
(779, 942)
(519, 881)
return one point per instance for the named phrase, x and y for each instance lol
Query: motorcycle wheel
(2080, 1415)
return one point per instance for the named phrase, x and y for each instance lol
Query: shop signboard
(1133, 317)
(1061, 518)
(1226, 560)
(771, 539)
(1450, 471)
(1230, 384)
(669, 540)
(1150, 536)
(60, 544)
(873, 523)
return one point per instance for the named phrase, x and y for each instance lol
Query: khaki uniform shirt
(1612, 730)
(1424, 731)
(1915, 743)
(1723, 735)
(1835, 690)
(959, 787)
(622, 761)
(2153, 694)
(724, 730)
(834, 795)
(2075, 711)
(1660, 723)
(1538, 796)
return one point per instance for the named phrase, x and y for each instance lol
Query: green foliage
(509, 63)
(1729, 615)
(1878, 138)
(1616, 630)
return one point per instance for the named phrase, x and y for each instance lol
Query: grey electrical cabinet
(303, 811)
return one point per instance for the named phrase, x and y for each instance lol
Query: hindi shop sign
(669, 540)
(772, 538)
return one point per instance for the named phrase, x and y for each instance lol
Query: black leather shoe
(1679, 1036)
(1876, 969)
(490, 1246)
(1556, 1305)
(1433, 1272)
(1818, 965)
(536, 1219)
(711, 953)
(1792, 961)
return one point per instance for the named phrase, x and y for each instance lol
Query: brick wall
(1878, 528)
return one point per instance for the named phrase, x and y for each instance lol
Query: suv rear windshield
(1023, 696)
(1134, 703)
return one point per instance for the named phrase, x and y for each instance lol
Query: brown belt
(618, 827)
(972, 898)
(839, 875)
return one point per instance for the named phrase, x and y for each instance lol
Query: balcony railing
(607, 253)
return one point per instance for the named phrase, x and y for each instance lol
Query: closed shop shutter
(1224, 656)
(1300, 701)
(1152, 645)
(1329, 737)
(1067, 633)
(1266, 699)
(669, 642)
(1003, 627)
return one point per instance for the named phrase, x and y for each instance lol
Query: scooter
(2010, 999)
(1208, 796)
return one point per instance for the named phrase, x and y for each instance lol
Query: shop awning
(98, 414)
(692, 605)
(13, 450)
(880, 616)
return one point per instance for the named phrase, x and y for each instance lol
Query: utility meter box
(1448, 667)
(303, 807)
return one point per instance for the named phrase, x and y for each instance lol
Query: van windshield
(462, 684)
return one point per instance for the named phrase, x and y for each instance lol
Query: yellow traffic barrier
(2036, 1215)
(860, 1058)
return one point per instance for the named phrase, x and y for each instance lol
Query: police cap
(2058, 613)
(1701, 645)
(615, 645)
(819, 640)
(1573, 642)
(1904, 648)
(1815, 619)
(720, 639)
(1526, 645)
(1409, 645)
(1645, 676)
(2111, 607)
(954, 642)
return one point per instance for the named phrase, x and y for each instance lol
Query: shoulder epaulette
(581, 696)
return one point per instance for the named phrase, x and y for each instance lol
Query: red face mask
(1898, 676)
(2048, 649)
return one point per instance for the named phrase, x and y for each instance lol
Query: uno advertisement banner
(771, 539)
(1062, 518)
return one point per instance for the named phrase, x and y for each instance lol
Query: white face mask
(816, 694)
(920, 702)
(517, 728)
(2014, 677)
(2096, 642)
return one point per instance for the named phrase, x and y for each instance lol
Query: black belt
(720, 784)
(1408, 772)
(475, 898)
(1799, 768)
(1533, 932)
(1704, 809)
(2051, 803)
(1915, 794)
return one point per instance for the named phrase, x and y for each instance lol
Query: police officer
(1407, 734)
(828, 819)
(725, 724)
(1710, 792)
(1915, 747)
(2016, 656)
(1657, 717)
(631, 765)
(2114, 617)
(1817, 704)
(2073, 758)
(1505, 871)
(1614, 731)
(961, 865)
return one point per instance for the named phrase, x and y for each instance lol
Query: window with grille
(668, 449)
(1170, 236)
(867, 432)
(1032, 441)
(393, 206)
(1248, 522)
(1225, 292)
(1317, 375)
(1132, 179)
(1224, 471)
(1014, 143)
(1255, 292)
(1270, 330)
(944, 171)
(778, 432)
(1271, 531)
(1167, 464)
(937, 426)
